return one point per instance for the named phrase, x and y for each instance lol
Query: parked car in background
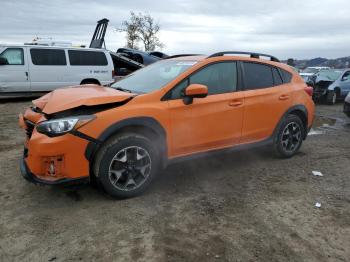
(310, 71)
(331, 85)
(125, 134)
(347, 105)
(142, 57)
(30, 69)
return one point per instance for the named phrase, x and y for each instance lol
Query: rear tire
(289, 136)
(126, 165)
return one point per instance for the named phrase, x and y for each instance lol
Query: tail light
(309, 90)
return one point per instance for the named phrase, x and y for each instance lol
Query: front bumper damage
(52, 160)
(30, 177)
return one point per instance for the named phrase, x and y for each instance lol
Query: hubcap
(291, 137)
(129, 168)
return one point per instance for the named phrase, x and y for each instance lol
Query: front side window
(257, 76)
(14, 56)
(48, 57)
(87, 58)
(219, 78)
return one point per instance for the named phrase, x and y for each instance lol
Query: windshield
(310, 70)
(154, 76)
(331, 75)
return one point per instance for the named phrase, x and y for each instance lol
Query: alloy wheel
(291, 137)
(130, 168)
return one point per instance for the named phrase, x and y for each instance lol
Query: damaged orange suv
(122, 136)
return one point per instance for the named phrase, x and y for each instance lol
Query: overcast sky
(293, 28)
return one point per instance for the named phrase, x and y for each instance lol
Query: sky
(294, 28)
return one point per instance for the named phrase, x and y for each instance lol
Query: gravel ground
(242, 206)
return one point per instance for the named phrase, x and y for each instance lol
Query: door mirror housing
(195, 91)
(3, 61)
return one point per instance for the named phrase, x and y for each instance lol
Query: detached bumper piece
(30, 177)
(347, 109)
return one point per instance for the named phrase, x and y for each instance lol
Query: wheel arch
(299, 110)
(90, 81)
(147, 126)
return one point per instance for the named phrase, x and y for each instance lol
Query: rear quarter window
(49, 57)
(87, 58)
(286, 76)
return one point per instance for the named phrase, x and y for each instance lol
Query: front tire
(126, 165)
(289, 136)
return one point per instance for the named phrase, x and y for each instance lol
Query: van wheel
(331, 97)
(289, 137)
(126, 165)
(90, 81)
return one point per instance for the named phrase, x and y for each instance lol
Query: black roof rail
(252, 55)
(181, 55)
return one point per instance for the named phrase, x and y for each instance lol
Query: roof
(54, 47)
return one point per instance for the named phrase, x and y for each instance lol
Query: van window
(87, 58)
(14, 56)
(257, 76)
(49, 57)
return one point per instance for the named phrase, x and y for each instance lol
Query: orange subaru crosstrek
(122, 136)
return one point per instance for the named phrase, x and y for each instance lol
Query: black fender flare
(300, 108)
(147, 122)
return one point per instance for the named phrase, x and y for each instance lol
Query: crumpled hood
(71, 97)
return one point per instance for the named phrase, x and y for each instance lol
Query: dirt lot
(244, 206)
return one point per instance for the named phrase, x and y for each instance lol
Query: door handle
(284, 97)
(27, 75)
(235, 103)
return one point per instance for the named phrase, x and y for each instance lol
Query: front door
(14, 75)
(208, 123)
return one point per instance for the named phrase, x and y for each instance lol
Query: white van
(30, 69)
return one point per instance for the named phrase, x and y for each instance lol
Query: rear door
(267, 98)
(14, 76)
(212, 122)
(47, 68)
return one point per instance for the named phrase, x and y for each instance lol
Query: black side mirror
(3, 61)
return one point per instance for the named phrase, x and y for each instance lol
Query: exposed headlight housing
(58, 127)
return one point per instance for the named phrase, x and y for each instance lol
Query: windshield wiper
(122, 89)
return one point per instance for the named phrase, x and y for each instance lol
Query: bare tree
(142, 28)
(131, 28)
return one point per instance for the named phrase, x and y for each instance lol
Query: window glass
(14, 56)
(48, 56)
(87, 58)
(257, 76)
(219, 78)
(286, 76)
(276, 77)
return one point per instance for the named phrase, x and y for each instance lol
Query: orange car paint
(214, 122)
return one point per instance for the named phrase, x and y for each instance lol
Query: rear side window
(14, 56)
(286, 76)
(257, 76)
(48, 57)
(87, 58)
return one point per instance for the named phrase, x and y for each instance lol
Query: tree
(130, 27)
(142, 28)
